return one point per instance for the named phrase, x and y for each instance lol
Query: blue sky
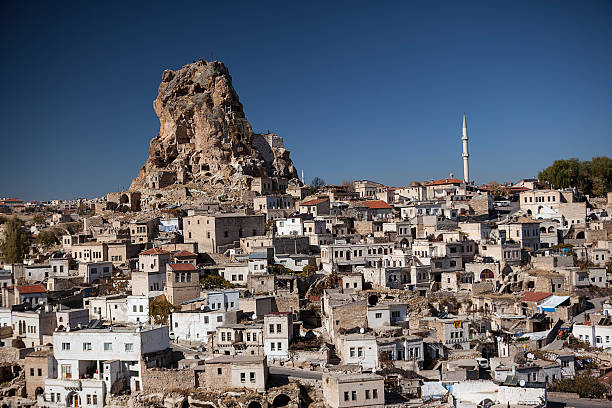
(357, 89)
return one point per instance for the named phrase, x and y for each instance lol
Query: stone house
(358, 349)
(523, 231)
(33, 326)
(96, 362)
(315, 207)
(342, 390)
(38, 365)
(452, 332)
(199, 325)
(274, 206)
(278, 333)
(182, 283)
(387, 314)
(72, 318)
(215, 233)
(31, 294)
(95, 272)
(239, 339)
(226, 373)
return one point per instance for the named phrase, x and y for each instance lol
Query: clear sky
(358, 89)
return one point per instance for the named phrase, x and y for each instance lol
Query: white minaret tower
(466, 155)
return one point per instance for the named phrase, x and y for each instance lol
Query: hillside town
(222, 279)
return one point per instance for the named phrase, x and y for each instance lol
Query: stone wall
(156, 380)
(12, 354)
(287, 303)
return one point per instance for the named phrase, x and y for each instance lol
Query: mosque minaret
(466, 155)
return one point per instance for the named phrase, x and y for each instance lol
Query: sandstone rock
(205, 140)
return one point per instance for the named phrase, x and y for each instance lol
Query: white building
(199, 325)
(597, 335)
(95, 271)
(92, 362)
(278, 333)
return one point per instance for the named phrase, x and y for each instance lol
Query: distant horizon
(362, 92)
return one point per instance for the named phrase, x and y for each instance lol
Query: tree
(160, 309)
(584, 385)
(38, 219)
(317, 182)
(590, 177)
(496, 190)
(46, 238)
(16, 243)
(309, 270)
(215, 281)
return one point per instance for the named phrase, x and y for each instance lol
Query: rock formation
(205, 141)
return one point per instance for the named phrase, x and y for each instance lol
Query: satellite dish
(202, 307)
(254, 316)
(362, 330)
(522, 383)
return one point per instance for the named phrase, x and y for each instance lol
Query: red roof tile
(182, 267)
(31, 289)
(315, 201)
(534, 296)
(155, 251)
(184, 254)
(444, 181)
(376, 204)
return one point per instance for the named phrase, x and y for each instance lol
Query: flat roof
(343, 377)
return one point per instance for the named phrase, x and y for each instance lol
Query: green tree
(38, 219)
(46, 238)
(590, 177)
(16, 244)
(215, 282)
(160, 309)
(584, 385)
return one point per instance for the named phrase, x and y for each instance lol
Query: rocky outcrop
(205, 141)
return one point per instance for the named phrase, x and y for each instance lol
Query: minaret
(466, 155)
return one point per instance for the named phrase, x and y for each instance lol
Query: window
(254, 336)
(242, 377)
(346, 395)
(40, 372)
(86, 346)
(367, 394)
(379, 315)
(31, 372)
(88, 399)
(129, 346)
(271, 328)
(352, 351)
(108, 346)
(375, 393)
(66, 371)
(95, 397)
(219, 371)
(272, 346)
(278, 328)
(359, 351)
(353, 395)
(252, 376)
(141, 308)
(279, 346)
(134, 308)
(219, 319)
(66, 346)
